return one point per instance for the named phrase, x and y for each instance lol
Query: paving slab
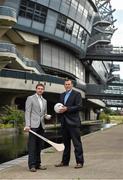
(103, 152)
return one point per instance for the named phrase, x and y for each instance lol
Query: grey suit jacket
(34, 115)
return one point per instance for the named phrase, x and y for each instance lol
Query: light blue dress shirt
(67, 96)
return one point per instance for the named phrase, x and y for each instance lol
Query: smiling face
(68, 85)
(39, 90)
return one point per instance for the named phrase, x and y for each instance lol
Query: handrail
(106, 49)
(7, 11)
(26, 75)
(104, 30)
(30, 76)
(8, 47)
(100, 37)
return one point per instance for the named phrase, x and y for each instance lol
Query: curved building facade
(48, 41)
(64, 21)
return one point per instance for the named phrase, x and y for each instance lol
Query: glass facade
(70, 27)
(69, 20)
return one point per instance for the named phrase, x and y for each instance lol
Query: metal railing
(103, 30)
(99, 38)
(30, 76)
(114, 67)
(7, 11)
(46, 78)
(7, 47)
(106, 49)
(117, 50)
(32, 63)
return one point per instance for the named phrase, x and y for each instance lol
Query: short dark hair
(68, 80)
(40, 85)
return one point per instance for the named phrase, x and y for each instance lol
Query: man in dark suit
(70, 123)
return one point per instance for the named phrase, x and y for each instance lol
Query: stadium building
(49, 40)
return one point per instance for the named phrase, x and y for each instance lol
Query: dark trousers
(34, 147)
(72, 133)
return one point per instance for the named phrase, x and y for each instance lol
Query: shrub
(104, 117)
(12, 115)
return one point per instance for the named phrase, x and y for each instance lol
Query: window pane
(80, 8)
(75, 29)
(69, 26)
(61, 22)
(80, 34)
(84, 36)
(32, 10)
(74, 3)
(85, 13)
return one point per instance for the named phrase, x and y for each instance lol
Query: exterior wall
(5, 39)
(26, 50)
(93, 115)
(2, 1)
(57, 57)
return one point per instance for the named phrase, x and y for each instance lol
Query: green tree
(11, 114)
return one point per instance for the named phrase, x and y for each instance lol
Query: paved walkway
(103, 151)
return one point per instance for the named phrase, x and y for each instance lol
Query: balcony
(98, 21)
(99, 38)
(9, 53)
(7, 16)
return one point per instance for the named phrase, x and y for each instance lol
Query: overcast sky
(117, 39)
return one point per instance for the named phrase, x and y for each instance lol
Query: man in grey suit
(35, 112)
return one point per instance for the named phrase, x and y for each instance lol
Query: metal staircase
(103, 25)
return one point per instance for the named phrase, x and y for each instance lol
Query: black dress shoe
(33, 169)
(41, 167)
(61, 165)
(79, 165)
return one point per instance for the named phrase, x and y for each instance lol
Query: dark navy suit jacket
(74, 105)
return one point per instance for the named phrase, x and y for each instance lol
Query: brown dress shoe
(60, 165)
(78, 166)
(33, 169)
(41, 167)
